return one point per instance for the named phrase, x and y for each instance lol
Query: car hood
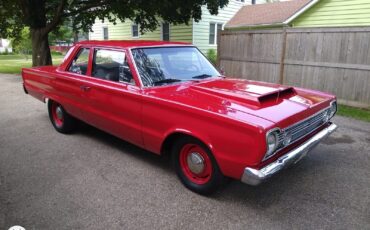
(235, 97)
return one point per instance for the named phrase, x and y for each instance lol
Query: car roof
(131, 43)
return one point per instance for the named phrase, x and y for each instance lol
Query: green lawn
(356, 113)
(15, 62)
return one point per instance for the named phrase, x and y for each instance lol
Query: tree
(64, 33)
(45, 16)
(23, 44)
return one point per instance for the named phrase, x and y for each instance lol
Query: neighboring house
(302, 13)
(318, 44)
(5, 46)
(202, 34)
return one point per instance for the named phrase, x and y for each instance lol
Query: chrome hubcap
(59, 112)
(195, 162)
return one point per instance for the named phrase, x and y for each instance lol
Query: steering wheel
(192, 68)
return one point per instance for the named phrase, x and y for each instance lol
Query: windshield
(166, 65)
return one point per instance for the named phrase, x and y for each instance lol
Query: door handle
(85, 88)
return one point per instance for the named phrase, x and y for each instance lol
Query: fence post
(218, 49)
(282, 58)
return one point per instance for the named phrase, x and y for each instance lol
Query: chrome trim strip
(253, 176)
(161, 46)
(135, 67)
(283, 130)
(307, 118)
(301, 137)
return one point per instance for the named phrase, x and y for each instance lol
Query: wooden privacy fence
(335, 60)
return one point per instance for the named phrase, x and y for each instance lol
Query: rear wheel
(61, 120)
(196, 166)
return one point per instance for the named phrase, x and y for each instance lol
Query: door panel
(112, 98)
(67, 83)
(114, 108)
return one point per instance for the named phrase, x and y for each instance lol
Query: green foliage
(356, 113)
(23, 44)
(13, 63)
(51, 14)
(212, 56)
(45, 16)
(63, 33)
(56, 53)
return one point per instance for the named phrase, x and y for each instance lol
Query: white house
(5, 46)
(202, 34)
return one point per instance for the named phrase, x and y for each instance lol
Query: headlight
(326, 115)
(272, 142)
(333, 108)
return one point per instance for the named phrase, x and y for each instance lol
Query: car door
(112, 97)
(69, 81)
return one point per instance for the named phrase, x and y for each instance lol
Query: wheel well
(170, 140)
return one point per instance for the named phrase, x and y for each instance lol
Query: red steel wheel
(57, 114)
(61, 120)
(195, 164)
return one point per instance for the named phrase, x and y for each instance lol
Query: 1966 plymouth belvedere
(167, 98)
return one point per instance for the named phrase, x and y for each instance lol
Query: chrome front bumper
(253, 176)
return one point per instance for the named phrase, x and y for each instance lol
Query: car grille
(302, 128)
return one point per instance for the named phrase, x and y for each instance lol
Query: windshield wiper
(167, 80)
(202, 76)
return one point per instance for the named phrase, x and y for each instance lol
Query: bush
(212, 56)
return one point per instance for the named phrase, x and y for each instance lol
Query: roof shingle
(266, 14)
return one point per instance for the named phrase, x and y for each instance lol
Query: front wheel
(61, 120)
(196, 166)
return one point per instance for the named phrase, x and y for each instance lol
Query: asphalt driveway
(92, 180)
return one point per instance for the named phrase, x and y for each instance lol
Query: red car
(167, 98)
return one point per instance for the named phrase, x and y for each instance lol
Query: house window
(214, 29)
(135, 31)
(240, 0)
(105, 33)
(165, 31)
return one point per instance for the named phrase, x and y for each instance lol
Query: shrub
(212, 56)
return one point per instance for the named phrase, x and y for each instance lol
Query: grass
(13, 63)
(356, 113)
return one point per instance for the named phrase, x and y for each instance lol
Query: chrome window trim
(165, 46)
(95, 49)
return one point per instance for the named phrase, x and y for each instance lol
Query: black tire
(203, 184)
(64, 123)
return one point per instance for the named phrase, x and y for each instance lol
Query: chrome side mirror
(222, 70)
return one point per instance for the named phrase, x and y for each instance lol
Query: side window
(111, 65)
(80, 62)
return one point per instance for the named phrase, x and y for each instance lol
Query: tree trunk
(75, 36)
(40, 48)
